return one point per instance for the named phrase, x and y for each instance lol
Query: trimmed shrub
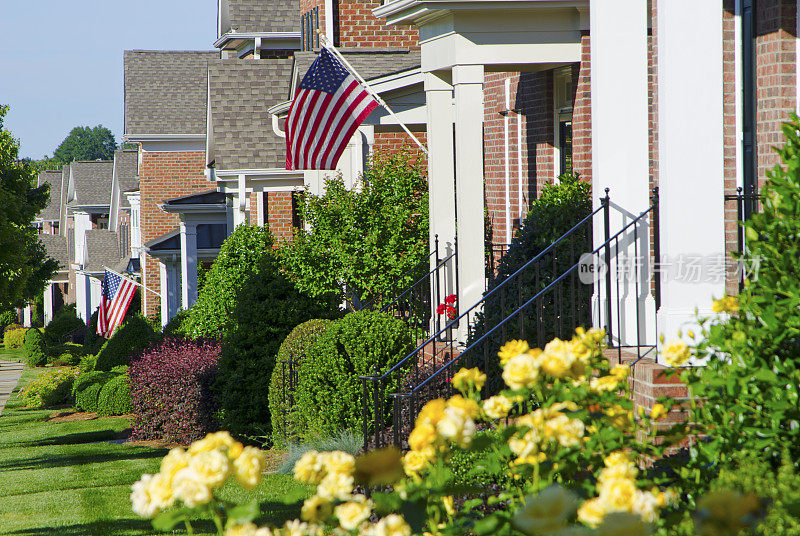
(63, 323)
(92, 341)
(285, 424)
(49, 388)
(87, 389)
(63, 353)
(254, 306)
(14, 338)
(87, 363)
(115, 396)
(133, 336)
(12, 326)
(329, 395)
(178, 326)
(170, 390)
(35, 355)
(6, 319)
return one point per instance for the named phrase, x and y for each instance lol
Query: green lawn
(67, 479)
(11, 354)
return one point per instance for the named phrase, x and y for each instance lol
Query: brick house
(49, 221)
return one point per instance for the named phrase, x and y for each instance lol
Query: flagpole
(132, 281)
(369, 89)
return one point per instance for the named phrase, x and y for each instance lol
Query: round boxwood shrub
(132, 337)
(87, 389)
(33, 346)
(115, 396)
(63, 323)
(14, 338)
(285, 423)
(329, 395)
(92, 341)
(253, 305)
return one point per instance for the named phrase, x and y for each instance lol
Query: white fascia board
(142, 138)
(90, 209)
(211, 208)
(233, 174)
(397, 81)
(240, 36)
(418, 11)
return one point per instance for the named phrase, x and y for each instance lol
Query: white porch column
(48, 303)
(240, 203)
(620, 159)
(441, 177)
(26, 316)
(691, 150)
(468, 91)
(165, 312)
(189, 264)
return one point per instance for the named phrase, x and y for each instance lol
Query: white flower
(335, 486)
(191, 488)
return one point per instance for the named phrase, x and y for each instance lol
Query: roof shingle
(260, 16)
(166, 91)
(92, 182)
(370, 63)
(102, 249)
(241, 93)
(52, 212)
(56, 248)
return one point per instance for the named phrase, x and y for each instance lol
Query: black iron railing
(747, 204)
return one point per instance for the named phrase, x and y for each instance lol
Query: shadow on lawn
(48, 462)
(118, 527)
(73, 439)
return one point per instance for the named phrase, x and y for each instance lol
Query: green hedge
(178, 326)
(286, 425)
(115, 396)
(92, 341)
(64, 321)
(133, 336)
(329, 395)
(87, 387)
(14, 338)
(33, 346)
(49, 388)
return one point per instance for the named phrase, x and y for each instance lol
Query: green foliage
(329, 394)
(346, 441)
(178, 326)
(366, 237)
(65, 321)
(49, 388)
(24, 265)
(87, 363)
(259, 306)
(35, 355)
(14, 338)
(6, 319)
(285, 423)
(115, 396)
(87, 389)
(86, 143)
(65, 354)
(134, 335)
(92, 341)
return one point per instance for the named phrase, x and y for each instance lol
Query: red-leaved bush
(170, 390)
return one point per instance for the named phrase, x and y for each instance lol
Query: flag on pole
(328, 107)
(117, 293)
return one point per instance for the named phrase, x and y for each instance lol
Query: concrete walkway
(9, 376)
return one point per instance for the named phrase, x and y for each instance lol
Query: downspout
(507, 163)
(519, 166)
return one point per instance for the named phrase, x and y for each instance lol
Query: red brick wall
(279, 215)
(164, 175)
(729, 137)
(582, 115)
(358, 27)
(392, 142)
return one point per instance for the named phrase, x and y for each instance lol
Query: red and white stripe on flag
(117, 293)
(328, 107)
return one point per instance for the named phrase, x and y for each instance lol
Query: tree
(85, 143)
(370, 239)
(24, 265)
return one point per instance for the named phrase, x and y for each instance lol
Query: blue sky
(61, 60)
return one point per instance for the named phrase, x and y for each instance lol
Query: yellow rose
(620, 417)
(521, 372)
(676, 353)
(570, 433)
(665, 498)
(151, 494)
(646, 506)
(217, 440)
(245, 529)
(249, 466)
(617, 457)
(309, 468)
(618, 494)
(456, 426)
(620, 371)
(728, 304)
(422, 436)
(338, 462)
(316, 509)
(414, 462)
(392, 525)
(295, 527)
(557, 358)
(592, 512)
(469, 406)
(623, 524)
(335, 486)
(604, 384)
(621, 471)
(512, 349)
(212, 467)
(546, 512)
(432, 412)
(658, 411)
(466, 379)
(353, 513)
(449, 505)
(497, 407)
(191, 488)
(526, 445)
(175, 460)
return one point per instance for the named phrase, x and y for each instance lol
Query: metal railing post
(606, 201)
(656, 248)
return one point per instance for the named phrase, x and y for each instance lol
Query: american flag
(116, 297)
(328, 107)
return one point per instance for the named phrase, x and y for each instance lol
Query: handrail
(530, 301)
(417, 282)
(489, 294)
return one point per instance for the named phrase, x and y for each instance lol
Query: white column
(441, 176)
(690, 115)
(26, 316)
(468, 91)
(620, 157)
(165, 310)
(260, 218)
(48, 303)
(83, 223)
(240, 203)
(188, 264)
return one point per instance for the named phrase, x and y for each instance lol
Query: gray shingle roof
(370, 63)
(126, 171)
(92, 182)
(241, 93)
(65, 169)
(127, 185)
(102, 249)
(263, 16)
(56, 248)
(166, 91)
(52, 212)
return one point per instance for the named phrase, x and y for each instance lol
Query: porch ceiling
(501, 35)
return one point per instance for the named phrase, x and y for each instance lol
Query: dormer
(256, 29)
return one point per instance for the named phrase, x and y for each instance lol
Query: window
(563, 102)
(309, 24)
(297, 200)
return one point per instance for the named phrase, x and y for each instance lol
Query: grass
(67, 479)
(15, 354)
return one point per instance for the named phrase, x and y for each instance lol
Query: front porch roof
(502, 35)
(209, 240)
(210, 201)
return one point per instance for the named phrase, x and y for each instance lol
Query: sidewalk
(9, 376)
